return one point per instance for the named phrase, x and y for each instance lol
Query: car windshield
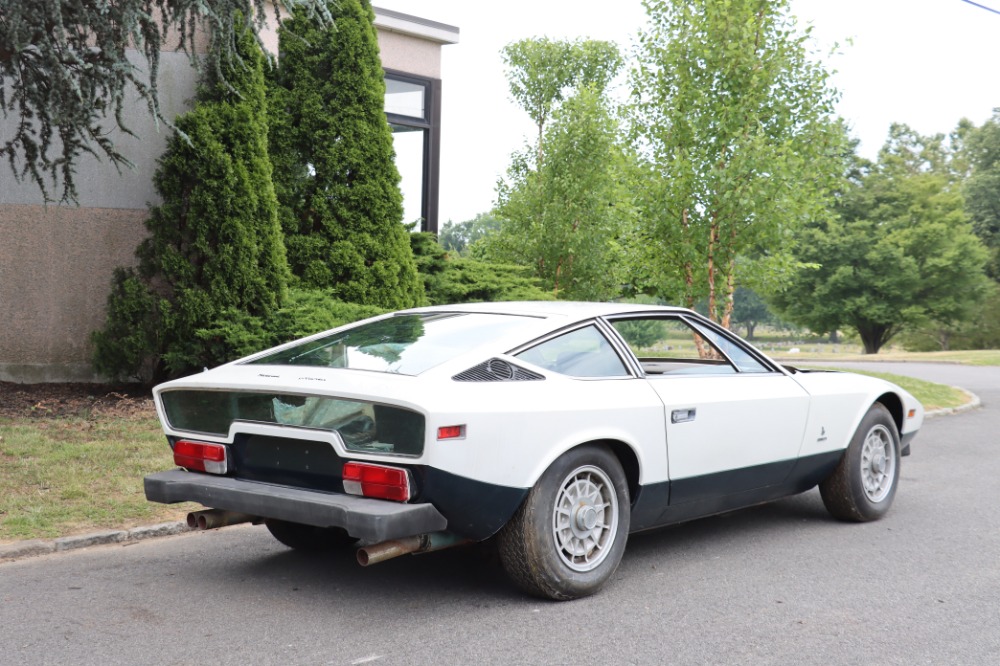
(403, 344)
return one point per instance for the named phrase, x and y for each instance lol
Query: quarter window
(583, 352)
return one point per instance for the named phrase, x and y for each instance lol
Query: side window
(668, 345)
(743, 360)
(583, 352)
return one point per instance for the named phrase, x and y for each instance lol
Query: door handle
(683, 415)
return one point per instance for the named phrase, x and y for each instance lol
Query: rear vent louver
(497, 370)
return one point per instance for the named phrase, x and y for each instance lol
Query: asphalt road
(778, 584)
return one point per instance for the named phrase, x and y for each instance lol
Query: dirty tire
(864, 484)
(307, 537)
(568, 537)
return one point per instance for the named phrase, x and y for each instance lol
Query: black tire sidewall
(877, 415)
(559, 580)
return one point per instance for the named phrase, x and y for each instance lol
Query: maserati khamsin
(556, 429)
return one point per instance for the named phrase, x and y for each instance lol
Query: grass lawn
(931, 396)
(73, 475)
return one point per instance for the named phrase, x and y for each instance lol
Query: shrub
(213, 268)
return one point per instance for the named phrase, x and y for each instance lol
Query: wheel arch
(626, 456)
(894, 404)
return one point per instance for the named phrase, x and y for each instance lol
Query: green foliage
(641, 333)
(902, 253)
(542, 72)
(122, 348)
(982, 188)
(459, 237)
(450, 279)
(733, 124)
(213, 269)
(750, 310)
(564, 215)
(308, 311)
(335, 173)
(65, 78)
(980, 331)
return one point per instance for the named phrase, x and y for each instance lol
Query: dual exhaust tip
(211, 519)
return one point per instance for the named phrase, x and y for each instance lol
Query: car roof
(571, 310)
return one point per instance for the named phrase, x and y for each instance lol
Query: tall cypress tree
(341, 208)
(213, 268)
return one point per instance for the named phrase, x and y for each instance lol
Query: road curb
(973, 403)
(35, 547)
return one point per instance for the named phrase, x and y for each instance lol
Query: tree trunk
(727, 312)
(713, 236)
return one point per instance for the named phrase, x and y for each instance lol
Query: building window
(405, 98)
(413, 108)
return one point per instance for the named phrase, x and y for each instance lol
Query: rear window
(364, 427)
(404, 344)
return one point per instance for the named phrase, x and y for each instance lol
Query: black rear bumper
(370, 520)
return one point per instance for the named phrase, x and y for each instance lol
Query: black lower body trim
(658, 505)
(371, 520)
(474, 509)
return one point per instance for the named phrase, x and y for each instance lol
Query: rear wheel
(307, 537)
(568, 537)
(864, 484)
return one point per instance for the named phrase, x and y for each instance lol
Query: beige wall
(56, 265)
(409, 54)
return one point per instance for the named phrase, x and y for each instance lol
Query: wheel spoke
(584, 518)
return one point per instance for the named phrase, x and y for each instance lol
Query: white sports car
(558, 428)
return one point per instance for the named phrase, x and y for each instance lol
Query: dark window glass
(404, 344)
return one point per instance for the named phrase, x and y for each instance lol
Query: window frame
(430, 125)
(627, 360)
(701, 326)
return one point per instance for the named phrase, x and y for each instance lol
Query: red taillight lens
(391, 483)
(201, 456)
(451, 432)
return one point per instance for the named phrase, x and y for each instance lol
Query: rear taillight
(391, 483)
(201, 456)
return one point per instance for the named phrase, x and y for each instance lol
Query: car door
(734, 423)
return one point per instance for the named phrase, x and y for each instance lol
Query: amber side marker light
(451, 432)
(911, 413)
(378, 481)
(201, 456)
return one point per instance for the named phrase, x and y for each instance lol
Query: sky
(926, 63)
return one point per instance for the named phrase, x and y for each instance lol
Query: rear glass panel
(404, 344)
(364, 427)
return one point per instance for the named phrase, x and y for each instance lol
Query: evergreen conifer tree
(213, 270)
(336, 179)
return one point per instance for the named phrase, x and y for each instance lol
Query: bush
(462, 280)
(341, 208)
(213, 268)
(309, 311)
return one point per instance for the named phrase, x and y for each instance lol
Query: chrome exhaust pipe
(425, 543)
(211, 519)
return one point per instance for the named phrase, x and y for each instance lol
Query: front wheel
(568, 537)
(864, 484)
